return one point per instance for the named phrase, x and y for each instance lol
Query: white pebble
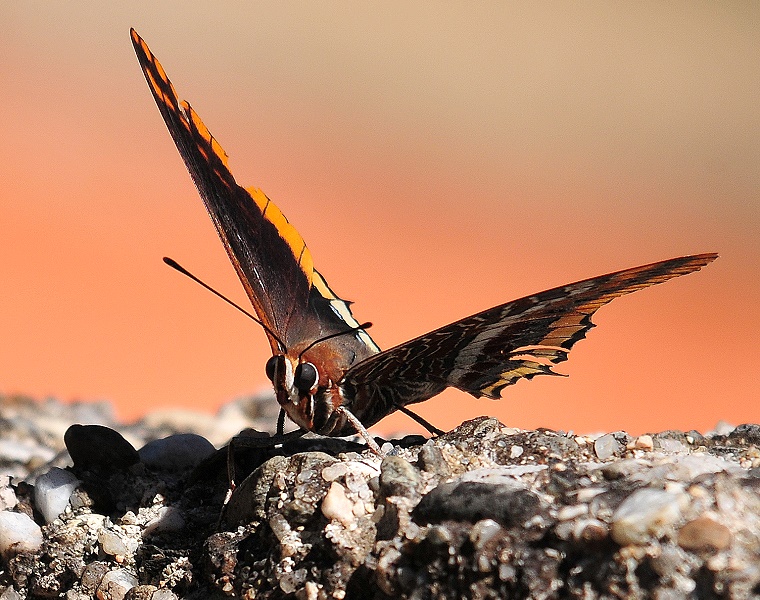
(111, 543)
(23, 451)
(483, 531)
(7, 496)
(334, 471)
(565, 513)
(646, 513)
(698, 464)
(169, 518)
(606, 446)
(336, 505)
(52, 491)
(18, 533)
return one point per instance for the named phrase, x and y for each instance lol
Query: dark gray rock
(473, 501)
(99, 447)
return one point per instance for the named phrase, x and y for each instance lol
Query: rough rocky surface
(484, 511)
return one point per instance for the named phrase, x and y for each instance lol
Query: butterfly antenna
(366, 325)
(178, 267)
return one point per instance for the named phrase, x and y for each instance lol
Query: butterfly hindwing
(269, 255)
(490, 350)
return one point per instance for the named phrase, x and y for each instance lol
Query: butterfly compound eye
(305, 376)
(271, 364)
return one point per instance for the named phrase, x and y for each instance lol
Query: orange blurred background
(438, 159)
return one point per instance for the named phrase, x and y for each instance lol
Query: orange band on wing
(287, 232)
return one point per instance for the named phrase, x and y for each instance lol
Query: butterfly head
(304, 390)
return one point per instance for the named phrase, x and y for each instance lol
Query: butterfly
(328, 374)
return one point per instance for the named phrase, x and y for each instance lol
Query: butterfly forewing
(490, 350)
(270, 257)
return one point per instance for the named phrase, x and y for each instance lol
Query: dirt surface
(484, 511)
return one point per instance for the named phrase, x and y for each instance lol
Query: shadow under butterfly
(329, 376)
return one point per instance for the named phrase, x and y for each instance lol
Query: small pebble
(565, 513)
(142, 592)
(704, 533)
(7, 496)
(431, 460)
(92, 576)
(606, 446)
(336, 505)
(334, 471)
(695, 465)
(723, 428)
(24, 451)
(169, 519)
(111, 543)
(643, 442)
(18, 533)
(52, 491)
(115, 585)
(398, 477)
(590, 530)
(10, 594)
(646, 513)
(672, 446)
(483, 531)
(311, 590)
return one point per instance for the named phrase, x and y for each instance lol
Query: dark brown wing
(269, 255)
(488, 351)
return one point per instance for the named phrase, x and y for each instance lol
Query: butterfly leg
(429, 426)
(361, 429)
(281, 422)
(248, 441)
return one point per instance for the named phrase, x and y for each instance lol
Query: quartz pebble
(645, 514)
(7, 496)
(112, 543)
(606, 446)
(336, 505)
(18, 533)
(115, 585)
(52, 491)
(168, 519)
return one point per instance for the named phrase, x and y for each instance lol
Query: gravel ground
(484, 511)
